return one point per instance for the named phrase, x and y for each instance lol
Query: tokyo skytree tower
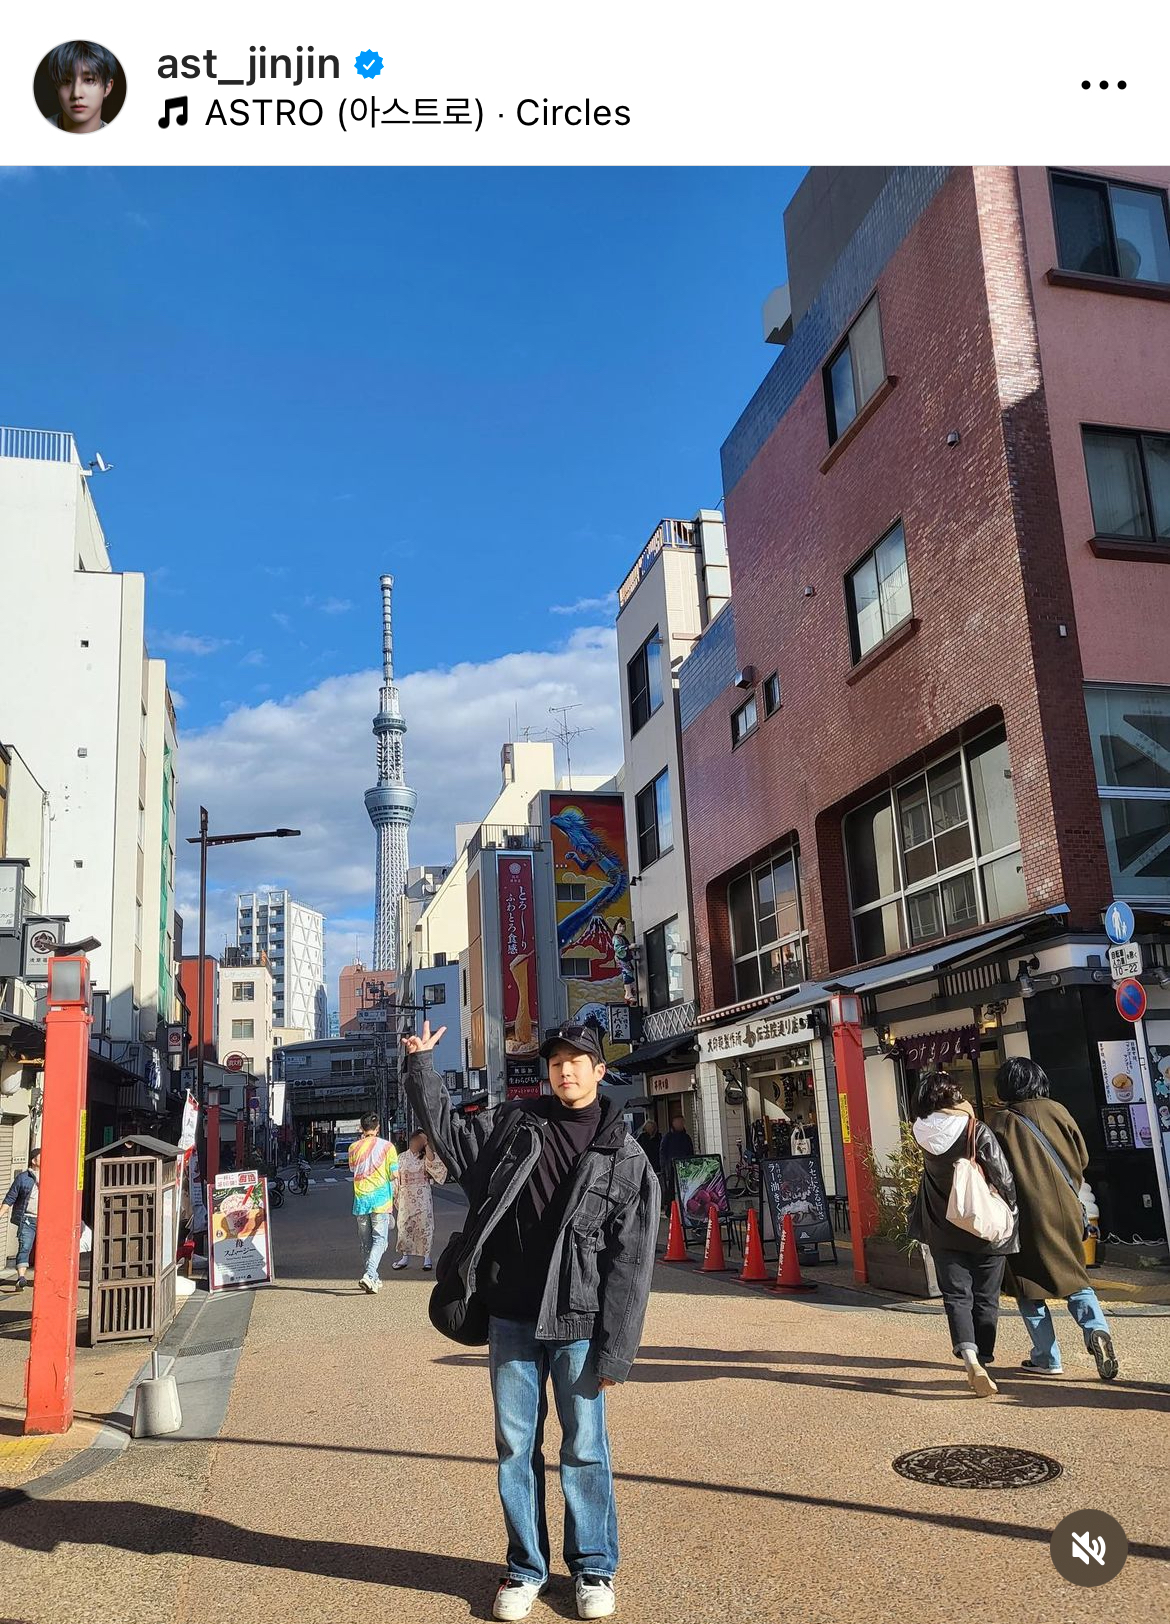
(390, 803)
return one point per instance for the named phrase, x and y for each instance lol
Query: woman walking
(1047, 1155)
(969, 1268)
(418, 1169)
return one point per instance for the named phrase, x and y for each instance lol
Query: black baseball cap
(582, 1038)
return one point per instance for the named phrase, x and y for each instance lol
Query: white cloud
(253, 657)
(305, 761)
(283, 621)
(186, 643)
(177, 699)
(585, 606)
(329, 606)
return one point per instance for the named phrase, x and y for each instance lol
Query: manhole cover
(977, 1466)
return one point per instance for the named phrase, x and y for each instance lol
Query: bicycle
(276, 1191)
(745, 1181)
(300, 1179)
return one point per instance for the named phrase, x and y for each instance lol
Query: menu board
(1117, 1127)
(793, 1184)
(241, 1247)
(1121, 1071)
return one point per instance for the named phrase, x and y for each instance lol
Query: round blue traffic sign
(1131, 1000)
(1119, 922)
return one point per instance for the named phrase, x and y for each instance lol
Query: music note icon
(171, 102)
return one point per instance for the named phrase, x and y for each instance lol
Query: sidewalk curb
(114, 1436)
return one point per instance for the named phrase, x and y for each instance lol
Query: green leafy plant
(896, 1179)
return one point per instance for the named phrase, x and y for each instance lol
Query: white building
(293, 938)
(246, 1027)
(677, 585)
(82, 700)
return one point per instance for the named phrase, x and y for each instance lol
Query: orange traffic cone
(713, 1259)
(676, 1246)
(753, 1257)
(788, 1277)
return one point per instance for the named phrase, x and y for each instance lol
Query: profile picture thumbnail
(80, 87)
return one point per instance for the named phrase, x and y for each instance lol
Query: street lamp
(203, 840)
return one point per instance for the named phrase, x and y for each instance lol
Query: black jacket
(676, 1147)
(928, 1220)
(602, 1263)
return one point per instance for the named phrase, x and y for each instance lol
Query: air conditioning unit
(746, 678)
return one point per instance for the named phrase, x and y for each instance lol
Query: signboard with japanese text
(793, 1184)
(1125, 961)
(1121, 1071)
(926, 1050)
(672, 1082)
(591, 871)
(521, 1000)
(775, 1031)
(241, 1248)
(699, 1185)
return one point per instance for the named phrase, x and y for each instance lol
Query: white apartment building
(82, 700)
(292, 936)
(678, 584)
(246, 1027)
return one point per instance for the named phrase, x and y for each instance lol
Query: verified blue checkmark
(368, 64)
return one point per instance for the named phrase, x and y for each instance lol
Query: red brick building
(938, 705)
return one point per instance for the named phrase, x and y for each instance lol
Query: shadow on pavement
(43, 1525)
(161, 1531)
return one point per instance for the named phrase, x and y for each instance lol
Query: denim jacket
(18, 1195)
(598, 1282)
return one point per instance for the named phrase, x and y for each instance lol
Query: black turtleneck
(521, 1248)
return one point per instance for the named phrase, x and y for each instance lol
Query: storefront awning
(923, 966)
(651, 1055)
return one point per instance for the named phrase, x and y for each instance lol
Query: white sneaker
(595, 1597)
(365, 1284)
(400, 1263)
(516, 1598)
(426, 1262)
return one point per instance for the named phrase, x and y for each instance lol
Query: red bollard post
(48, 1385)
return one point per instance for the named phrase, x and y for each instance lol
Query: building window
(434, 993)
(1130, 729)
(1129, 483)
(1106, 228)
(644, 678)
(664, 966)
(243, 1029)
(938, 855)
(772, 695)
(767, 932)
(575, 969)
(243, 992)
(878, 593)
(854, 371)
(743, 721)
(571, 892)
(655, 824)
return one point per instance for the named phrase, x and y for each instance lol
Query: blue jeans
(1084, 1308)
(373, 1238)
(26, 1234)
(520, 1369)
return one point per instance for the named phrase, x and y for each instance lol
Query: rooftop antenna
(566, 733)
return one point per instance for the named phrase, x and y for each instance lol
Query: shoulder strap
(1049, 1147)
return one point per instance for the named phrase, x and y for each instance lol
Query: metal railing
(39, 445)
(670, 1022)
(670, 533)
(508, 836)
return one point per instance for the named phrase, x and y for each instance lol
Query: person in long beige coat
(1046, 1153)
(414, 1206)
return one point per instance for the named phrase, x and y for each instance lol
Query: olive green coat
(1051, 1259)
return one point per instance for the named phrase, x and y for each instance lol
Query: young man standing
(373, 1162)
(23, 1198)
(554, 1267)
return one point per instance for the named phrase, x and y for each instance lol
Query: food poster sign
(1121, 1072)
(700, 1184)
(518, 967)
(592, 875)
(241, 1246)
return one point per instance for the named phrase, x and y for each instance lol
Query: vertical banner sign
(589, 854)
(518, 967)
(241, 1249)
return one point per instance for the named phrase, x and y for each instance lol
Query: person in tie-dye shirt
(373, 1163)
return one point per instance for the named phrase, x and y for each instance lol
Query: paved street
(353, 1475)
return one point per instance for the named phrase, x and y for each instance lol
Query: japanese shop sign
(776, 1031)
(241, 1249)
(518, 956)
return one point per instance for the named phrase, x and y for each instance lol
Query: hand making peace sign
(417, 1045)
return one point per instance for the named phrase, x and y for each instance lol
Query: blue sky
(492, 383)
